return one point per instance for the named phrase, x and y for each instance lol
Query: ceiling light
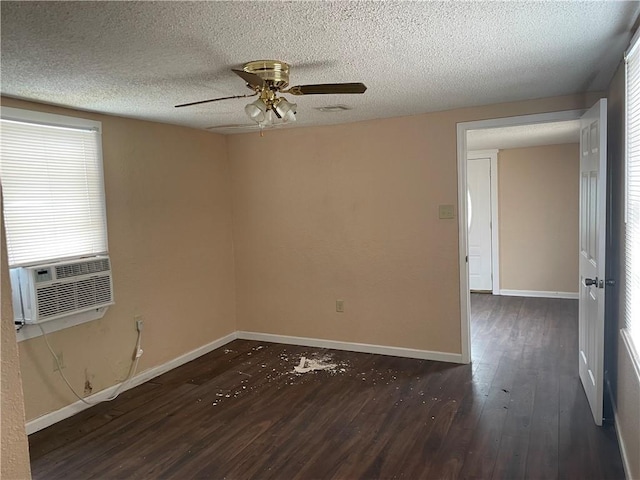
(268, 119)
(285, 110)
(257, 111)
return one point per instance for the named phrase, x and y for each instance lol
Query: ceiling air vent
(333, 108)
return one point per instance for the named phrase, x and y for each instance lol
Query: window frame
(630, 336)
(27, 331)
(63, 121)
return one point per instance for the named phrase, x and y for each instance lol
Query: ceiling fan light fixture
(269, 119)
(289, 117)
(256, 111)
(285, 110)
(268, 78)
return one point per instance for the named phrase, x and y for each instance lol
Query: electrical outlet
(61, 360)
(340, 306)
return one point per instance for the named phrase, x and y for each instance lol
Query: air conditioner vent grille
(82, 268)
(60, 298)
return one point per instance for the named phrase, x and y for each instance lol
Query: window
(632, 215)
(52, 187)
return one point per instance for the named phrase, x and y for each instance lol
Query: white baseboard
(538, 293)
(353, 347)
(48, 419)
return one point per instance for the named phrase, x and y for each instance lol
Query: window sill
(631, 349)
(28, 331)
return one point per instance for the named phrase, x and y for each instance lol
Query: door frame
(495, 246)
(463, 247)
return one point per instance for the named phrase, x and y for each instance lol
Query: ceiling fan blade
(215, 100)
(251, 78)
(327, 88)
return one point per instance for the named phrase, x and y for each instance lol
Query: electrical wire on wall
(132, 369)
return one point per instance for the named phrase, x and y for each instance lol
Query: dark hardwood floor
(240, 412)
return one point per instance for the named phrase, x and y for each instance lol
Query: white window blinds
(52, 187)
(632, 240)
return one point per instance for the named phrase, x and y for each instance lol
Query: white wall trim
(48, 419)
(27, 331)
(21, 114)
(635, 360)
(623, 450)
(463, 244)
(461, 132)
(538, 293)
(353, 347)
(473, 154)
(631, 350)
(495, 228)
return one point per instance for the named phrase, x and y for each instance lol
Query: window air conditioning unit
(56, 290)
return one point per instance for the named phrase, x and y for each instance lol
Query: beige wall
(169, 224)
(624, 379)
(538, 193)
(351, 212)
(14, 451)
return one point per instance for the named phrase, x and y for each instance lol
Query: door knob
(590, 281)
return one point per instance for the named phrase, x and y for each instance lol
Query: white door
(479, 217)
(593, 195)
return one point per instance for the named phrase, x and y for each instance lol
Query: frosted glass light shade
(286, 110)
(256, 111)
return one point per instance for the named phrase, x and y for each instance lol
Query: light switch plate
(446, 212)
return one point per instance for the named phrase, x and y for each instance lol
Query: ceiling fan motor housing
(274, 72)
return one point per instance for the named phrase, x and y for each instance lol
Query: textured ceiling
(139, 59)
(524, 135)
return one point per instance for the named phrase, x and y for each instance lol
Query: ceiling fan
(267, 79)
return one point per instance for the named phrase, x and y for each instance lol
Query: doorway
(463, 129)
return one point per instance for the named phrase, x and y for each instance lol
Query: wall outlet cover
(446, 212)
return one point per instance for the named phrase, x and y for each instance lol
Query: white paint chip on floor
(312, 364)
